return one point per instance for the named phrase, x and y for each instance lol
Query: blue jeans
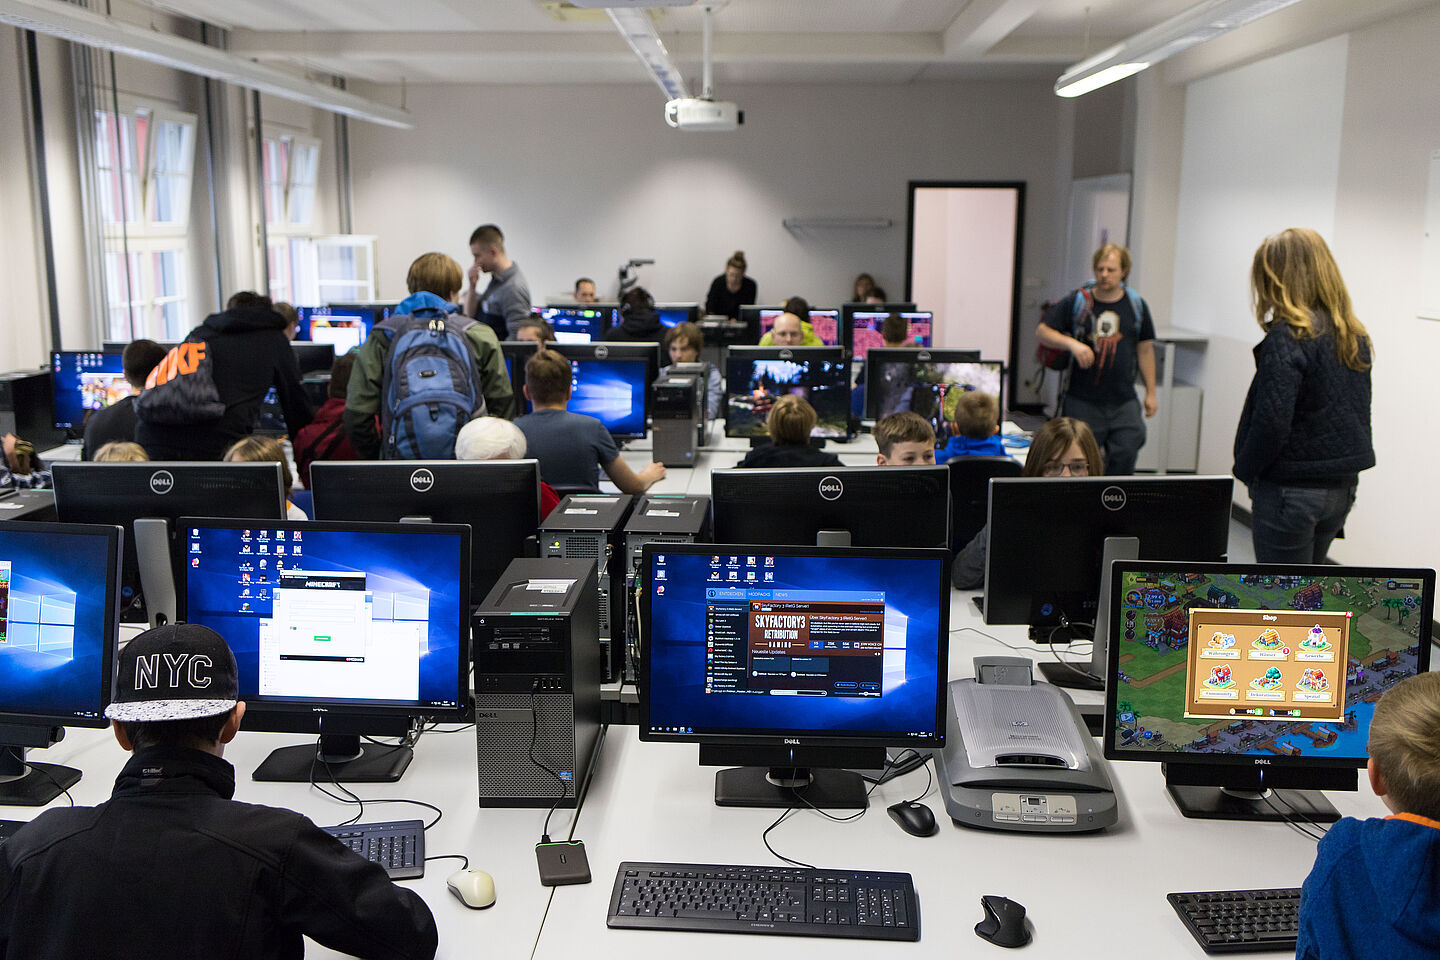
(1297, 524)
(1119, 430)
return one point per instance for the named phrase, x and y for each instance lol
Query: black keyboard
(1241, 921)
(397, 845)
(789, 901)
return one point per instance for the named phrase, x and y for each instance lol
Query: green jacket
(367, 379)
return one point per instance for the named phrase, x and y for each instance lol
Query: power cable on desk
(47, 775)
(350, 797)
(1295, 823)
(798, 794)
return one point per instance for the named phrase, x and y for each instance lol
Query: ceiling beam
(984, 23)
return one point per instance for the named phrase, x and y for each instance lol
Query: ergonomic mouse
(474, 888)
(1004, 922)
(915, 818)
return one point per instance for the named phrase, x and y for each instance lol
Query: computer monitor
(517, 353)
(313, 357)
(611, 382)
(1046, 537)
(755, 377)
(825, 323)
(851, 307)
(125, 492)
(579, 323)
(1251, 679)
(674, 314)
(59, 590)
(342, 630)
(929, 382)
(865, 329)
(498, 499)
(342, 325)
(803, 660)
(85, 381)
(853, 506)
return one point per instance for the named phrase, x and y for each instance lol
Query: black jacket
(171, 867)
(789, 455)
(721, 301)
(249, 354)
(115, 422)
(639, 326)
(1306, 419)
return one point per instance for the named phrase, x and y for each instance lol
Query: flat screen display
(579, 324)
(865, 330)
(767, 640)
(928, 384)
(343, 326)
(756, 378)
(612, 391)
(85, 382)
(825, 323)
(356, 615)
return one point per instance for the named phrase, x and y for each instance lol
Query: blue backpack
(431, 386)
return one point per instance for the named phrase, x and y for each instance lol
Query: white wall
(25, 337)
(1334, 136)
(581, 180)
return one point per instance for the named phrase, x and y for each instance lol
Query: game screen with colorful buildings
(1258, 664)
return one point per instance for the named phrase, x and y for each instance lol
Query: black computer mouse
(1004, 923)
(915, 818)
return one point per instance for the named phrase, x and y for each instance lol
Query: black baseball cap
(181, 671)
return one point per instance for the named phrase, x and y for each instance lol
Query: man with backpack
(205, 393)
(426, 371)
(1108, 331)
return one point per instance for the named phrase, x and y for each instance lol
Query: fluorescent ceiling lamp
(1204, 21)
(78, 25)
(638, 30)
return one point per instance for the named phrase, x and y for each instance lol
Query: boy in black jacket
(171, 866)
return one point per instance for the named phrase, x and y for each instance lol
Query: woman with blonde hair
(258, 449)
(121, 451)
(1304, 433)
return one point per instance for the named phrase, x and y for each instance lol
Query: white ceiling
(755, 41)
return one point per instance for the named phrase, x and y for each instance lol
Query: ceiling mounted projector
(688, 113)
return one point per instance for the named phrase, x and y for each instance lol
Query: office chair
(970, 493)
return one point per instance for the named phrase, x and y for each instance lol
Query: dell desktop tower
(592, 525)
(658, 518)
(537, 683)
(677, 413)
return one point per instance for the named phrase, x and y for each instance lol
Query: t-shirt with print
(571, 447)
(1112, 333)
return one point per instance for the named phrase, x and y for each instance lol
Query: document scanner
(1017, 755)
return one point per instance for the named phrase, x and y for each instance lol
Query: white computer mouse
(474, 888)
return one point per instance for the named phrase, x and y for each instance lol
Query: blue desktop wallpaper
(212, 590)
(52, 661)
(612, 391)
(675, 636)
(72, 400)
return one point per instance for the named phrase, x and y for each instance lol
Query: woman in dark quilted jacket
(1304, 433)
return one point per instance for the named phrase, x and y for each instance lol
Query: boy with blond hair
(976, 428)
(1375, 888)
(904, 439)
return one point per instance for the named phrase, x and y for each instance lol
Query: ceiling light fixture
(638, 29)
(78, 25)
(1204, 21)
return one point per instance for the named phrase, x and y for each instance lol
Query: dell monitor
(1047, 535)
(755, 377)
(611, 382)
(59, 590)
(342, 325)
(342, 630)
(674, 314)
(579, 323)
(797, 664)
(498, 499)
(1256, 683)
(865, 326)
(825, 323)
(313, 357)
(853, 506)
(928, 382)
(125, 492)
(85, 381)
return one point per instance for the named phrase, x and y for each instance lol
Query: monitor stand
(337, 758)
(25, 784)
(1223, 803)
(1091, 676)
(820, 787)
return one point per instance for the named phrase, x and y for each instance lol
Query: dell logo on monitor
(162, 481)
(1112, 498)
(422, 480)
(786, 355)
(792, 743)
(831, 488)
(601, 352)
(923, 355)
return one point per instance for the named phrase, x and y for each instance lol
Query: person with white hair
(491, 438)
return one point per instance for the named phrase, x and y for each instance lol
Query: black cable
(1300, 826)
(564, 787)
(48, 776)
(351, 797)
(765, 839)
(929, 782)
(798, 794)
(452, 856)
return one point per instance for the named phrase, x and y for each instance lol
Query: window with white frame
(144, 160)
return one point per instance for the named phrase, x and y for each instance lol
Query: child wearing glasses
(1063, 447)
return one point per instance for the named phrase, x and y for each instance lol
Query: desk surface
(653, 801)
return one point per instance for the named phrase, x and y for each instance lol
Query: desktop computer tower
(658, 518)
(27, 407)
(537, 683)
(677, 413)
(591, 525)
